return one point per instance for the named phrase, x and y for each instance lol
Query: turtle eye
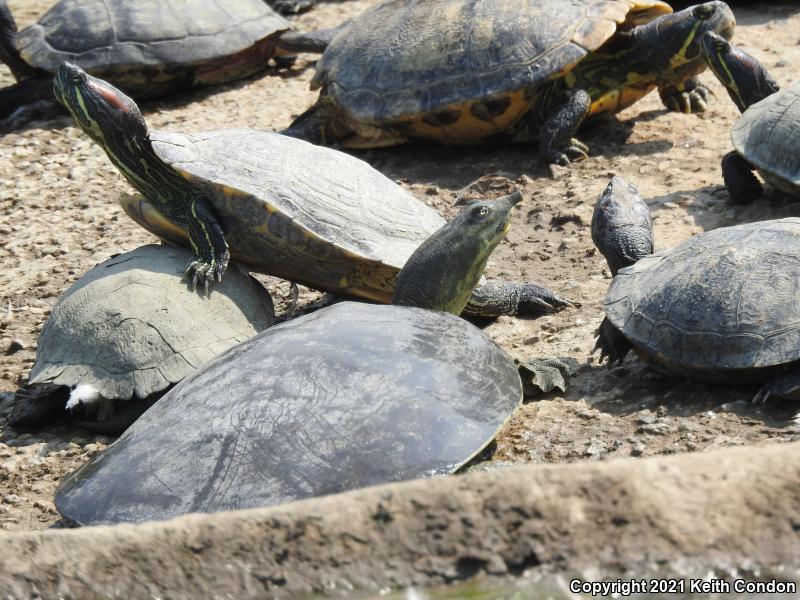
(703, 11)
(77, 77)
(483, 211)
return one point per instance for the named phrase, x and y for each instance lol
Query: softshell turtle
(148, 47)
(348, 396)
(720, 307)
(462, 72)
(285, 207)
(765, 136)
(129, 329)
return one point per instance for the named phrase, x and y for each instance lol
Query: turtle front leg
(496, 298)
(208, 242)
(319, 124)
(743, 186)
(611, 343)
(786, 386)
(557, 136)
(690, 96)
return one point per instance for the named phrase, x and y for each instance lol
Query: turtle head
(100, 109)
(444, 270)
(677, 36)
(746, 79)
(621, 226)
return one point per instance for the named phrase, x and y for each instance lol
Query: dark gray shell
(767, 136)
(106, 35)
(349, 396)
(130, 327)
(725, 299)
(403, 57)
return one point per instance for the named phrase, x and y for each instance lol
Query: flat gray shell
(310, 191)
(100, 35)
(131, 327)
(724, 299)
(349, 396)
(768, 134)
(403, 57)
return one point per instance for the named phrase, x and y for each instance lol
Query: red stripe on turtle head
(113, 97)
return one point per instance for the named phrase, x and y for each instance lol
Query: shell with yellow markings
(474, 68)
(294, 210)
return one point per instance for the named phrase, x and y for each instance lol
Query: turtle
(351, 395)
(765, 136)
(286, 207)
(129, 329)
(148, 48)
(721, 307)
(465, 72)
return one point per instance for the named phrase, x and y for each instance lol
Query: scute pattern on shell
(105, 34)
(403, 57)
(262, 182)
(767, 134)
(349, 396)
(722, 299)
(131, 327)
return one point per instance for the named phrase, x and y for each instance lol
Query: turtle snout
(720, 18)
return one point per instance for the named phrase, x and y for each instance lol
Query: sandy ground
(59, 217)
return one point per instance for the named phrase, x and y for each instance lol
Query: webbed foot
(546, 374)
(689, 97)
(611, 343)
(576, 151)
(200, 271)
(785, 386)
(495, 298)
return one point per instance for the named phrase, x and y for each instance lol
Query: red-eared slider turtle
(460, 71)
(720, 307)
(147, 47)
(348, 396)
(129, 329)
(765, 136)
(285, 207)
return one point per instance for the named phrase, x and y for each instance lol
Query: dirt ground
(59, 217)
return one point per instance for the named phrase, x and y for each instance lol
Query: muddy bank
(721, 508)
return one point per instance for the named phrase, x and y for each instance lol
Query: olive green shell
(767, 136)
(725, 300)
(123, 41)
(131, 327)
(299, 211)
(404, 57)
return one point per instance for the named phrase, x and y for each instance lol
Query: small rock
(13, 499)
(637, 450)
(15, 346)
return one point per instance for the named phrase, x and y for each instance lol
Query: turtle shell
(131, 327)
(722, 300)
(123, 38)
(349, 396)
(766, 135)
(299, 211)
(407, 57)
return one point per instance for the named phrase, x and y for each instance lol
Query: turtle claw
(688, 101)
(199, 271)
(575, 151)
